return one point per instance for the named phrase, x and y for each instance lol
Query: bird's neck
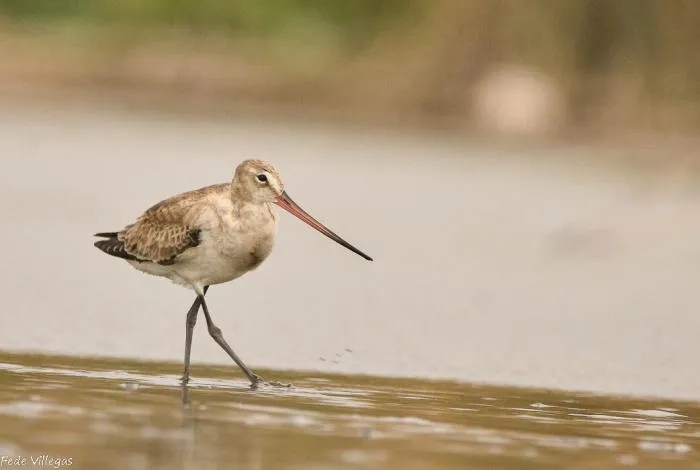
(237, 193)
(242, 205)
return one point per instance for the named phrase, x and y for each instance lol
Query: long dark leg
(215, 333)
(189, 330)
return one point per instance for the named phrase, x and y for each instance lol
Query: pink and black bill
(286, 203)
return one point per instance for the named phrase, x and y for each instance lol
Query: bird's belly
(210, 271)
(213, 262)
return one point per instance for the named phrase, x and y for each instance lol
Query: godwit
(210, 236)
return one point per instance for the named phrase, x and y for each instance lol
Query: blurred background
(528, 171)
(541, 67)
(524, 173)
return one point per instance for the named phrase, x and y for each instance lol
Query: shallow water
(117, 414)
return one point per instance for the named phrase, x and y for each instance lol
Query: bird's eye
(262, 177)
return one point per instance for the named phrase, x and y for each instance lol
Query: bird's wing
(168, 228)
(158, 242)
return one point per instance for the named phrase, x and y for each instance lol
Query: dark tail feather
(112, 246)
(107, 234)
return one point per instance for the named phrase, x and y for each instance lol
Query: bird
(209, 236)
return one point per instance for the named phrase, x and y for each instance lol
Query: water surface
(115, 414)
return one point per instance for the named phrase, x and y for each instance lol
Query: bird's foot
(185, 391)
(257, 382)
(277, 384)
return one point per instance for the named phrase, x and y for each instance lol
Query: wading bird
(210, 236)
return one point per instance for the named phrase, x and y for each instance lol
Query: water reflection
(104, 414)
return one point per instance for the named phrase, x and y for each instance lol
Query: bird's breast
(247, 239)
(259, 250)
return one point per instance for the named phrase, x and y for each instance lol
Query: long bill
(286, 203)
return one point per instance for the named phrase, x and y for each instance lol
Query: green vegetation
(638, 56)
(357, 21)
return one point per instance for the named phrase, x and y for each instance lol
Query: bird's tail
(113, 246)
(107, 234)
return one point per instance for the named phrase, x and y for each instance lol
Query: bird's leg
(215, 333)
(189, 330)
